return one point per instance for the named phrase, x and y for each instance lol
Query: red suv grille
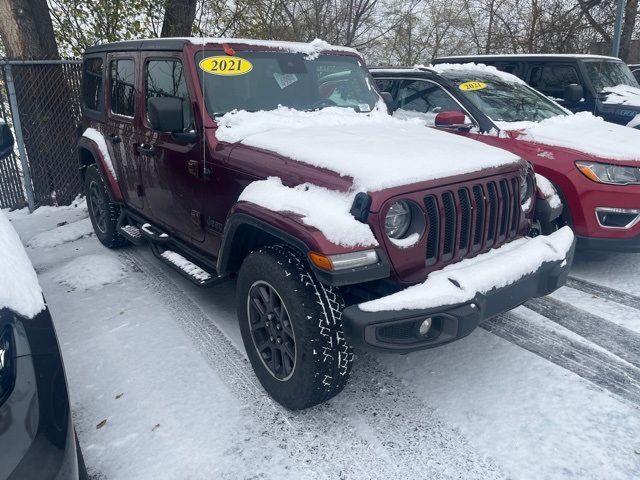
(464, 221)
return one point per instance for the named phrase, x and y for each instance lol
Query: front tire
(103, 212)
(291, 329)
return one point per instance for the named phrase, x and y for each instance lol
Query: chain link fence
(40, 100)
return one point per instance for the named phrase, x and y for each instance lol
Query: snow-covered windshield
(503, 100)
(604, 74)
(255, 81)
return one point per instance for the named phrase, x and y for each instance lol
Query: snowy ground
(548, 391)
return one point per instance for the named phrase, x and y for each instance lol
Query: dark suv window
(551, 79)
(425, 100)
(123, 87)
(92, 94)
(165, 78)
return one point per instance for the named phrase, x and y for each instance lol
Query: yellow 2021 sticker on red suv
(471, 86)
(225, 65)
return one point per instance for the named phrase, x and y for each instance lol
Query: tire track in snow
(616, 339)
(593, 364)
(604, 292)
(375, 429)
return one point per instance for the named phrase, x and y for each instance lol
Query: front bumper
(397, 330)
(628, 245)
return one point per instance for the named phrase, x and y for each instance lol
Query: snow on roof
(333, 219)
(534, 55)
(479, 68)
(623, 95)
(311, 49)
(462, 281)
(376, 150)
(19, 288)
(582, 132)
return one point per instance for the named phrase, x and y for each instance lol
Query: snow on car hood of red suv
(582, 132)
(376, 150)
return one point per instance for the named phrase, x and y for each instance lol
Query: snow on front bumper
(460, 296)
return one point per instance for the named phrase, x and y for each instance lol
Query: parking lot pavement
(549, 390)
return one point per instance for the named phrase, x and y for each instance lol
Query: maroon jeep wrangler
(276, 164)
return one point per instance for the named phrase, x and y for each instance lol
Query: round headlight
(398, 220)
(526, 188)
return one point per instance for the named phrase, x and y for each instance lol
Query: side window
(386, 84)
(636, 73)
(92, 92)
(122, 87)
(417, 98)
(551, 79)
(165, 78)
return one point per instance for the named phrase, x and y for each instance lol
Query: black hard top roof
(166, 44)
(528, 57)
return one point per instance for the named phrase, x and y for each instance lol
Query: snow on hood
(481, 68)
(376, 150)
(19, 288)
(635, 123)
(623, 95)
(582, 132)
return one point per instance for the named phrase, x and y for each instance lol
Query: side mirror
(388, 100)
(452, 120)
(165, 114)
(6, 141)
(573, 93)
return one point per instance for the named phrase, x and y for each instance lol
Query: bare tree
(178, 18)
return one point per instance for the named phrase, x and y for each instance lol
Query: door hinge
(196, 218)
(194, 168)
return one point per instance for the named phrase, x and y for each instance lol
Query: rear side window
(551, 79)
(123, 87)
(165, 78)
(92, 91)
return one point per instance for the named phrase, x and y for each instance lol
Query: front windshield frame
(251, 101)
(597, 86)
(457, 77)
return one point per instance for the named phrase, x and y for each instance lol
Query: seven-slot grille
(464, 221)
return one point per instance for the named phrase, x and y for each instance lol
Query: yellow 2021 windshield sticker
(225, 65)
(471, 86)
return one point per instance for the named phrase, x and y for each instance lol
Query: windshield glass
(501, 100)
(609, 74)
(256, 81)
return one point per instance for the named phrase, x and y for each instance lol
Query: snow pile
(326, 210)
(98, 138)
(548, 191)
(19, 288)
(623, 95)
(79, 203)
(495, 269)
(90, 272)
(581, 132)
(480, 68)
(62, 234)
(376, 150)
(311, 50)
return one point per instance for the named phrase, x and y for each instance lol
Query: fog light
(425, 326)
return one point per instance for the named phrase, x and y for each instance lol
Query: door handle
(146, 150)
(115, 139)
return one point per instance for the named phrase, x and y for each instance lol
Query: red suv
(277, 163)
(593, 164)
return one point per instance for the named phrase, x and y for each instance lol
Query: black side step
(129, 231)
(186, 267)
